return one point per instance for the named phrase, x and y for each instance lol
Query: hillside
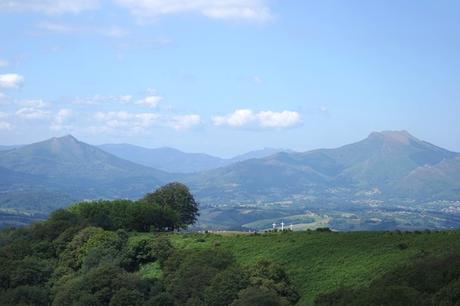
(389, 162)
(42, 176)
(82, 258)
(67, 157)
(321, 262)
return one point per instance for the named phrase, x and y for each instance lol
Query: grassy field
(320, 262)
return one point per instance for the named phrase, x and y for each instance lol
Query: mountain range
(386, 168)
(390, 164)
(176, 161)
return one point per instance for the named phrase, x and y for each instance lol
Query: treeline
(428, 281)
(168, 208)
(87, 256)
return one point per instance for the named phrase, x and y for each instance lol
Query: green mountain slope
(67, 157)
(58, 171)
(322, 262)
(389, 162)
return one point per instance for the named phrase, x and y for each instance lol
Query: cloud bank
(243, 10)
(11, 80)
(262, 119)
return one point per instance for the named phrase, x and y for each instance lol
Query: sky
(229, 76)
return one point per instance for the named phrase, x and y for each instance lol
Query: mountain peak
(402, 136)
(66, 137)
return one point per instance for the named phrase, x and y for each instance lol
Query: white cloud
(126, 98)
(62, 28)
(2, 96)
(264, 119)
(136, 123)
(61, 118)
(185, 121)
(246, 10)
(34, 103)
(239, 117)
(49, 6)
(11, 80)
(32, 113)
(150, 101)
(125, 122)
(3, 63)
(101, 99)
(242, 10)
(282, 119)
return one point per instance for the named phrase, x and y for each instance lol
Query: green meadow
(320, 262)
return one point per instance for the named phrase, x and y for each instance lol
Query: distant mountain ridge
(175, 161)
(394, 162)
(4, 148)
(71, 169)
(386, 168)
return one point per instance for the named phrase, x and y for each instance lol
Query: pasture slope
(320, 262)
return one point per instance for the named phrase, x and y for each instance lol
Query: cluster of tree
(212, 277)
(168, 208)
(428, 281)
(85, 256)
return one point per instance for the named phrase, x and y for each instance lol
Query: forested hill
(125, 253)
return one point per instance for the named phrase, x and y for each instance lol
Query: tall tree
(175, 196)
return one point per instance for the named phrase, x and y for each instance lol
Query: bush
(257, 297)
(25, 295)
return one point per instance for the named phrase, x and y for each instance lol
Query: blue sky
(228, 76)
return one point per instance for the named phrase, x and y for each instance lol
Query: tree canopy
(168, 208)
(177, 197)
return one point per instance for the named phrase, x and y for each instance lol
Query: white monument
(274, 225)
(282, 225)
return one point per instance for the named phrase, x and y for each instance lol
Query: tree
(271, 276)
(253, 296)
(225, 286)
(25, 295)
(188, 273)
(175, 196)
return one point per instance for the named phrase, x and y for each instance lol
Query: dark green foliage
(175, 196)
(255, 296)
(85, 256)
(429, 281)
(162, 299)
(448, 295)
(104, 283)
(125, 214)
(140, 252)
(212, 277)
(162, 249)
(189, 273)
(225, 286)
(272, 277)
(127, 297)
(30, 271)
(25, 296)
